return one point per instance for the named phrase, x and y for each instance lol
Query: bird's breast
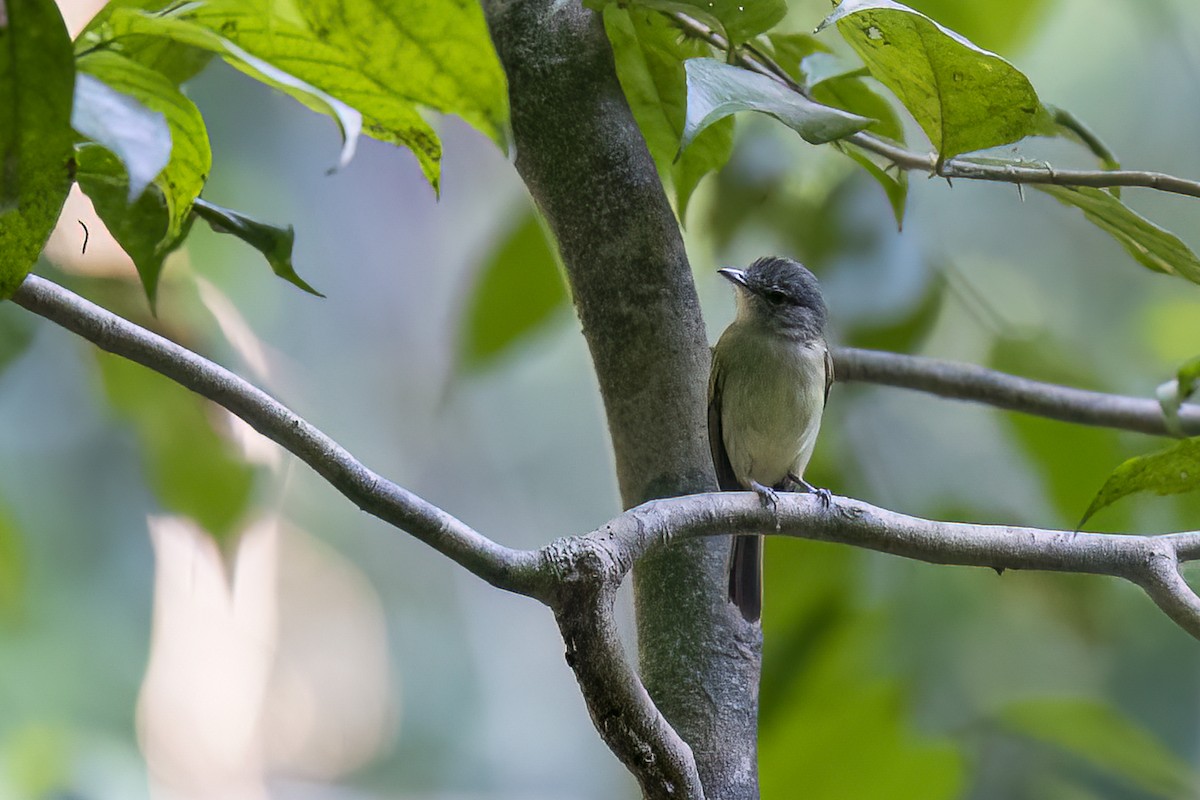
(772, 397)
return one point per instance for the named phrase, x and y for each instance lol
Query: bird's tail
(746, 576)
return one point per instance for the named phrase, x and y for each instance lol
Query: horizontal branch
(754, 59)
(501, 566)
(1151, 562)
(969, 382)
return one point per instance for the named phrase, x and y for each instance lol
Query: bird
(770, 379)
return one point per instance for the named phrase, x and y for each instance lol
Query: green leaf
(518, 292)
(37, 84)
(137, 135)
(649, 56)
(191, 157)
(1106, 739)
(175, 61)
(717, 90)
(375, 59)
(1152, 246)
(1172, 471)
(191, 469)
(156, 221)
(186, 25)
(436, 53)
(964, 97)
(273, 242)
(141, 228)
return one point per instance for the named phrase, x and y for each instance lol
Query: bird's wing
(716, 437)
(828, 373)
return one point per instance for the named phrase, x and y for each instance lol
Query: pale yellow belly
(771, 404)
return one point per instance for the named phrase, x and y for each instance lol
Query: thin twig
(758, 61)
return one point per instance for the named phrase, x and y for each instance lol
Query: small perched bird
(771, 373)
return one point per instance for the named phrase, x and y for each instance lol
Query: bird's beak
(736, 276)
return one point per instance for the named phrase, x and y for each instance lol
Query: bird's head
(780, 294)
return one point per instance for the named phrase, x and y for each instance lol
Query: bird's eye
(775, 296)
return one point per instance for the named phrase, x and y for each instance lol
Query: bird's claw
(823, 495)
(768, 496)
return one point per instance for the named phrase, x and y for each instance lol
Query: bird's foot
(768, 496)
(823, 495)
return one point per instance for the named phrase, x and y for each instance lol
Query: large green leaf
(1107, 740)
(1152, 246)
(717, 90)
(649, 55)
(291, 49)
(142, 228)
(436, 53)
(274, 242)
(190, 468)
(190, 25)
(191, 157)
(37, 84)
(137, 135)
(518, 292)
(1172, 471)
(379, 58)
(965, 98)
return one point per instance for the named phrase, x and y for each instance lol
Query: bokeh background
(312, 652)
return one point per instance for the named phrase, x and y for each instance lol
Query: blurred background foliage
(446, 357)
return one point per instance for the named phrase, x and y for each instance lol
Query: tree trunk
(584, 161)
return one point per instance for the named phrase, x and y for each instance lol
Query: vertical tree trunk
(583, 159)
